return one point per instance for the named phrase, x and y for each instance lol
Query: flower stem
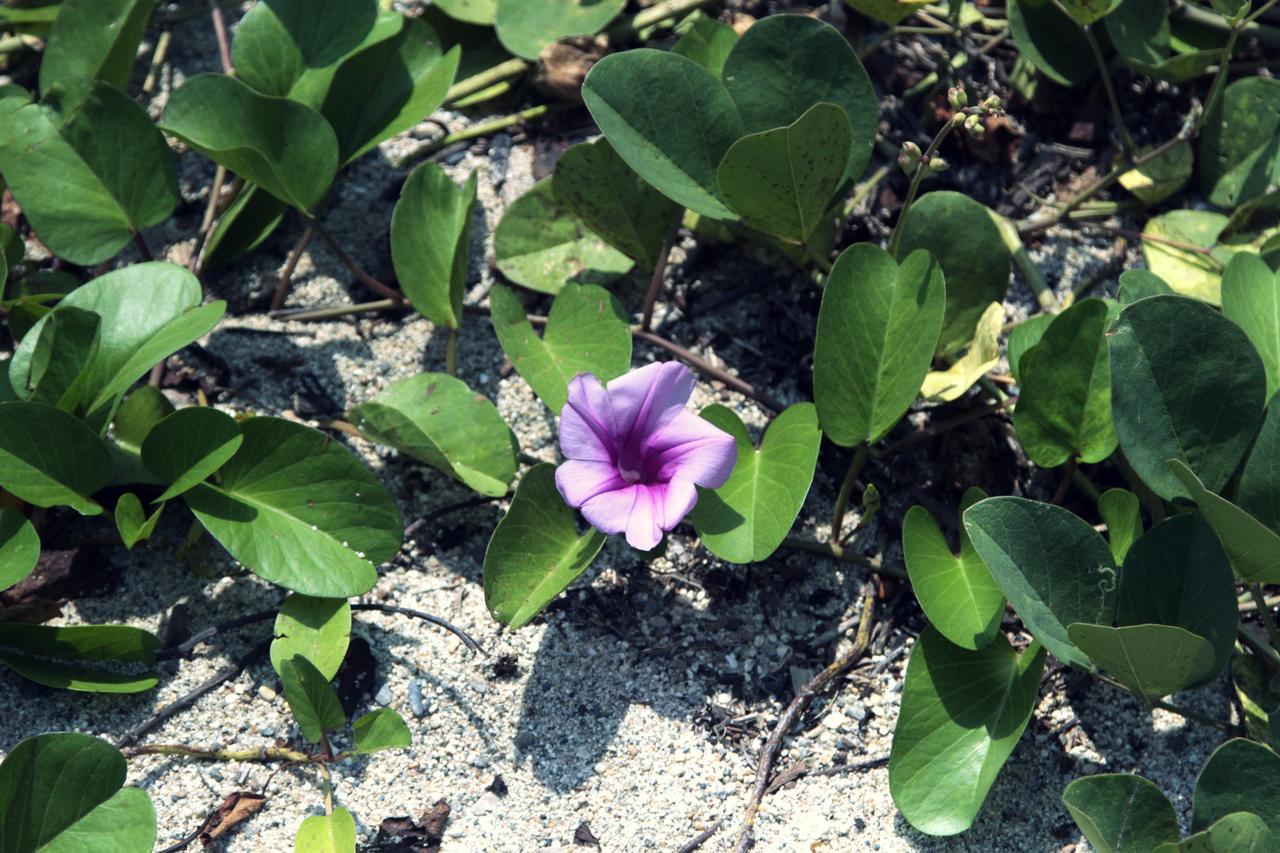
(660, 271)
(451, 353)
(922, 169)
(842, 499)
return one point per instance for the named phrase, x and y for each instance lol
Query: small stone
(488, 802)
(858, 711)
(383, 696)
(479, 761)
(266, 693)
(267, 731)
(417, 705)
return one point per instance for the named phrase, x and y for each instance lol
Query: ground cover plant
(1124, 531)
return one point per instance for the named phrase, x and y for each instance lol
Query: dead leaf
(565, 63)
(234, 810)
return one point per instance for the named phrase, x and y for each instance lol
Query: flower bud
(909, 157)
(957, 97)
(973, 124)
(937, 164)
(991, 104)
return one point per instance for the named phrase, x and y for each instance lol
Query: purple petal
(693, 449)
(647, 399)
(677, 499)
(644, 527)
(587, 423)
(609, 512)
(580, 480)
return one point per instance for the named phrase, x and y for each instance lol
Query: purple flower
(634, 455)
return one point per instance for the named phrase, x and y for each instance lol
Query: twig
(660, 271)
(224, 45)
(259, 754)
(701, 838)
(426, 617)
(157, 61)
(708, 369)
(1257, 642)
(290, 264)
(355, 269)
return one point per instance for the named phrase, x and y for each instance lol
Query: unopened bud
(937, 164)
(957, 97)
(909, 157)
(992, 104)
(973, 124)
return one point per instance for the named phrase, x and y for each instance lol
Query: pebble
(417, 705)
(383, 696)
(266, 693)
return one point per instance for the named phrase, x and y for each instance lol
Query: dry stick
(708, 369)
(220, 30)
(701, 838)
(660, 271)
(355, 269)
(259, 754)
(796, 710)
(290, 264)
(157, 61)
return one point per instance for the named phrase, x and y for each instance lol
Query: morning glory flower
(634, 455)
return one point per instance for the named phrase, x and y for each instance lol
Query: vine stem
(842, 498)
(479, 82)
(1264, 612)
(1108, 85)
(451, 352)
(660, 271)
(922, 169)
(355, 269)
(290, 264)
(143, 249)
(1185, 713)
(262, 754)
(224, 44)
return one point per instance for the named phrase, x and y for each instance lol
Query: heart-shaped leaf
(327, 833)
(251, 219)
(962, 714)
(437, 419)
(1251, 300)
(963, 237)
(536, 550)
(1238, 832)
(285, 148)
(1121, 813)
(540, 244)
(312, 699)
(707, 42)
(139, 412)
(278, 42)
(587, 332)
(480, 12)
(1023, 339)
(610, 199)
(1258, 487)
(746, 519)
(1254, 549)
(188, 446)
(1064, 411)
(1240, 143)
(1050, 41)
(782, 181)
(1150, 660)
(298, 509)
(431, 242)
(679, 148)
(956, 591)
(132, 522)
(1240, 776)
(1187, 271)
(1053, 567)
(318, 629)
(526, 28)
(72, 657)
(50, 458)
(891, 12)
(93, 40)
(1121, 511)
(88, 168)
(379, 730)
(1138, 284)
(1186, 384)
(877, 329)
(19, 547)
(62, 792)
(784, 64)
(982, 355)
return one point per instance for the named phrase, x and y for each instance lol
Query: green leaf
(49, 458)
(87, 173)
(611, 200)
(93, 40)
(707, 42)
(285, 148)
(1138, 284)
(1157, 179)
(782, 181)
(1254, 549)
(1186, 384)
(982, 355)
(1258, 697)
(535, 551)
(1121, 813)
(1088, 11)
(877, 329)
(331, 833)
(1258, 487)
(746, 519)
(251, 219)
(437, 419)
(1251, 300)
(1240, 142)
(1150, 660)
(1051, 41)
(1187, 272)
(318, 629)
(188, 446)
(379, 730)
(277, 42)
(1121, 511)
(1064, 411)
(431, 242)
(64, 349)
(62, 792)
(1023, 339)
(587, 332)
(955, 591)
(1053, 567)
(525, 28)
(19, 547)
(891, 12)
(480, 12)
(784, 64)
(540, 244)
(964, 239)
(1238, 832)
(962, 714)
(677, 148)
(141, 410)
(300, 510)
(132, 522)
(1139, 30)
(312, 699)
(1240, 776)
(70, 658)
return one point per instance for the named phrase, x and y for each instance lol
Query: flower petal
(610, 512)
(580, 480)
(644, 530)
(693, 449)
(647, 399)
(588, 428)
(677, 498)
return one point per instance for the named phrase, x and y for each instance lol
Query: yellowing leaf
(982, 355)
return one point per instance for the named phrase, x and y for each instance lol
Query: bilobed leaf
(1238, 832)
(678, 148)
(746, 519)
(1251, 300)
(277, 42)
(312, 699)
(956, 591)
(1240, 776)
(1240, 143)
(49, 458)
(88, 168)
(586, 332)
(707, 42)
(1053, 567)
(1151, 660)
(285, 148)
(781, 181)
(437, 419)
(431, 240)
(19, 547)
(1187, 272)
(138, 414)
(982, 355)
(543, 246)
(536, 550)
(1254, 549)
(300, 510)
(610, 199)
(330, 833)
(188, 446)
(1023, 339)
(132, 522)
(784, 64)
(964, 239)
(1186, 384)
(1051, 41)
(962, 714)
(877, 328)
(379, 730)
(93, 40)
(62, 792)
(72, 657)
(526, 28)
(318, 629)
(1121, 511)
(1121, 812)
(1064, 410)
